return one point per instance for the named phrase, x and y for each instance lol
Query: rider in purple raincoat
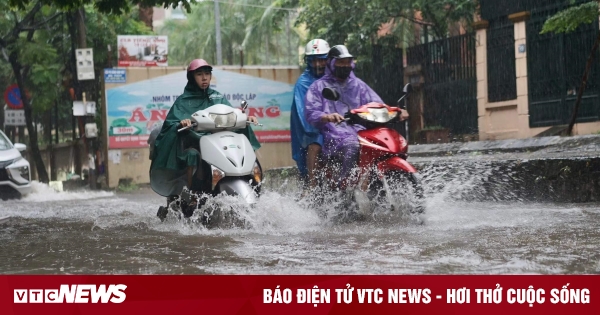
(339, 141)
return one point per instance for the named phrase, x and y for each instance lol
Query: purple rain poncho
(339, 141)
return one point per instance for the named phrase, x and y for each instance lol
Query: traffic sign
(12, 96)
(14, 117)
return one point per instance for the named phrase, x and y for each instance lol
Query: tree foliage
(32, 47)
(103, 6)
(570, 19)
(360, 24)
(338, 20)
(246, 25)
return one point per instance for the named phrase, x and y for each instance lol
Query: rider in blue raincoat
(306, 139)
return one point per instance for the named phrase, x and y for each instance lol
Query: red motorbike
(383, 152)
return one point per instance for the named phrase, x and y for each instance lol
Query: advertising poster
(142, 50)
(133, 110)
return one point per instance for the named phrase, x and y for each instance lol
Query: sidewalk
(530, 148)
(547, 169)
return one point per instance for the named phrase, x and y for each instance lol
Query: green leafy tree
(357, 24)
(567, 21)
(247, 26)
(26, 44)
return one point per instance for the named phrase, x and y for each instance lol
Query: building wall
(64, 159)
(135, 163)
(510, 119)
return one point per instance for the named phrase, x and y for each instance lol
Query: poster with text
(142, 50)
(134, 110)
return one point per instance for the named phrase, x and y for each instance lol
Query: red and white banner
(299, 294)
(143, 50)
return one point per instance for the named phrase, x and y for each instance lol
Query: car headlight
(257, 173)
(24, 172)
(223, 121)
(378, 115)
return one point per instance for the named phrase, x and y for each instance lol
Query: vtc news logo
(75, 293)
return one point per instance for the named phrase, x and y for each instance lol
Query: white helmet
(316, 47)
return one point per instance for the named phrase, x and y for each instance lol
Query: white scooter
(229, 165)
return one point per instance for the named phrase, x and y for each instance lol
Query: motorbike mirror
(405, 91)
(244, 105)
(330, 94)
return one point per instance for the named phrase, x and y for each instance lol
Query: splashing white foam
(41, 192)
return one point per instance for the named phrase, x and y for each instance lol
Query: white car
(15, 178)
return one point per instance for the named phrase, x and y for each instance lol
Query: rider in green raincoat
(172, 162)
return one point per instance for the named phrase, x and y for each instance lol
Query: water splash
(41, 192)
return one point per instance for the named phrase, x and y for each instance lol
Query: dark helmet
(339, 52)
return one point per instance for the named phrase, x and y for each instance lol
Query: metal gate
(555, 65)
(388, 76)
(450, 87)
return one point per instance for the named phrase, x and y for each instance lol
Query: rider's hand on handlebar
(334, 118)
(253, 120)
(185, 123)
(403, 114)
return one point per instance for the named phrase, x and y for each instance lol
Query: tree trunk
(33, 140)
(146, 15)
(588, 67)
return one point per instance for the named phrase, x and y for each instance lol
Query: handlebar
(196, 124)
(188, 127)
(251, 123)
(345, 120)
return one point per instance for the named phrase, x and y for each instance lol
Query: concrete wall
(509, 119)
(135, 163)
(64, 159)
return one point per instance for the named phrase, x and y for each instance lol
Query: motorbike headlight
(257, 173)
(223, 120)
(378, 115)
(217, 175)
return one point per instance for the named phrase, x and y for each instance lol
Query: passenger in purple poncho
(340, 142)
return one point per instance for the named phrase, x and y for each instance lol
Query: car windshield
(4, 143)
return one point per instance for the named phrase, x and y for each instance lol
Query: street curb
(502, 146)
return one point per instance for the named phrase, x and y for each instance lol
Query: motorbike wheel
(397, 181)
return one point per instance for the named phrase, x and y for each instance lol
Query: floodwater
(107, 233)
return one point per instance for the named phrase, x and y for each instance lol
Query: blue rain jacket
(302, 132)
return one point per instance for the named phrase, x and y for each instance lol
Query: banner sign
(300, 294)
(134, 110)
(142, 50)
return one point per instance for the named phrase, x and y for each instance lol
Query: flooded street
(107, 233)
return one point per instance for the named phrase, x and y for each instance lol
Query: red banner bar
(299, 294)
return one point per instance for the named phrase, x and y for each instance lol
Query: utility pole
(89, 143)
(218, 32)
